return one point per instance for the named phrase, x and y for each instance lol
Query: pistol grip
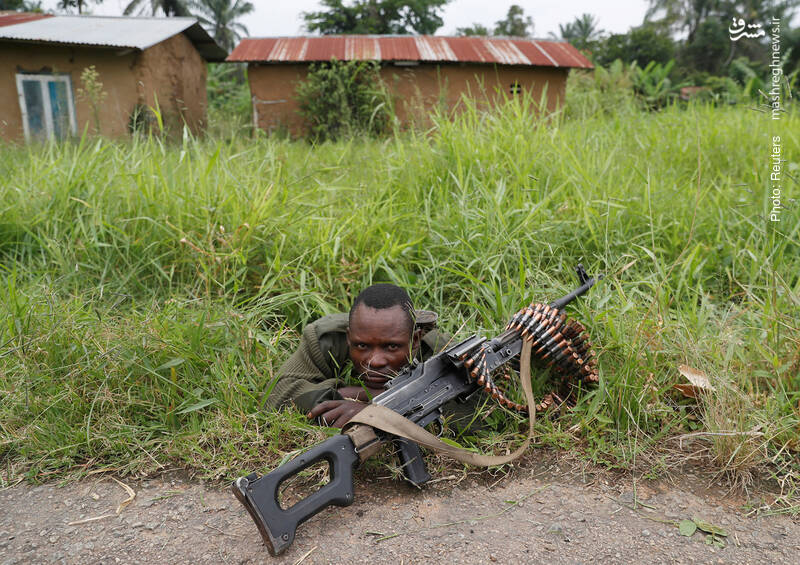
(260, 495)
(411, 461)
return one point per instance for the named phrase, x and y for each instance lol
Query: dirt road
(533, 515)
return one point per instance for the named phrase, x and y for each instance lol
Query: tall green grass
(149, 291)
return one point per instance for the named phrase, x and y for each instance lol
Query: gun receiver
(418, 393)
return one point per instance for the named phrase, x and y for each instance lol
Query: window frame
(43, 79)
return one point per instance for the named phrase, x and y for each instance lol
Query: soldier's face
(380, 343)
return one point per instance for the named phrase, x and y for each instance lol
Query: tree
(376, 16)
(79, 4)
(516, 23)
(678, 16)
(582, 32)
(711, 50)
(686, 16)
(473, 30)
(643, 44)
(707, 47)
(219, 18)
(168, 7)
(21, 5)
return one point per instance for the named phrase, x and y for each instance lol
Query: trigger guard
(440, 425)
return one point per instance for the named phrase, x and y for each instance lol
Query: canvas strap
(389, 421)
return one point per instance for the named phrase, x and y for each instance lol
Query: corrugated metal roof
(468, 50)
(562, 51)
(534, 52)
(367, 50)
(434, 49)
(8, 18)
(398, 49)
(423, 48)
(318, 48)
(504, 52)
(120, 32)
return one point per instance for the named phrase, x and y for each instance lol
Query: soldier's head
(381, 334)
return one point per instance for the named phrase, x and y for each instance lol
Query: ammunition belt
(557, 343)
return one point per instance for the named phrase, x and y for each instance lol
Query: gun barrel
(585, 282)
(563, 301)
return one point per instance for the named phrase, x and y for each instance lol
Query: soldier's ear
(416, 340)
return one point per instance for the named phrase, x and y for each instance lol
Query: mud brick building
(420, 71)
(140, 61)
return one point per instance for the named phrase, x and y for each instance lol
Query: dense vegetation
(344, 99)
(149, 289)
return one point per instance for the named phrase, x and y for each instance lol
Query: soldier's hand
(335, 413)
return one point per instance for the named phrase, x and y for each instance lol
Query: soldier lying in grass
(344, 360)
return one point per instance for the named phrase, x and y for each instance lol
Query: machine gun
(418, 393)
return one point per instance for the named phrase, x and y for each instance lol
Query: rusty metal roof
(8, 18)
(118, 32)
(423, 48)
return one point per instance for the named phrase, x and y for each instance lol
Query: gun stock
(260, 495)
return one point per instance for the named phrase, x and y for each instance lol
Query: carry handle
(260, 495)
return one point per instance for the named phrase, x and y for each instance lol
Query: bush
(606, 90)
(342, 99)
(721, 90)
(652, 85)
(621, 87)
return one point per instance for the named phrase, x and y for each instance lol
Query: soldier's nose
(377, 361)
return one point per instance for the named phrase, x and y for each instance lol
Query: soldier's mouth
(374, 379)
